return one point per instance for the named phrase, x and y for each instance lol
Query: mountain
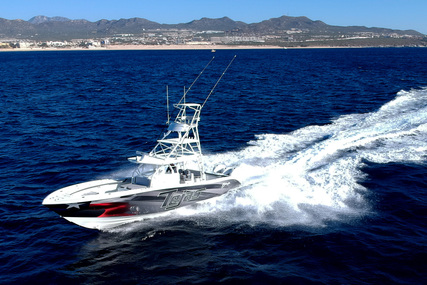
(60, 28)
(206, 24)
(43, 19)
(124, 26)
(288, 23)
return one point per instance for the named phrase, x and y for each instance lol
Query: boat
(172, 175)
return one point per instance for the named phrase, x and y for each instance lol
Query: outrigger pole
(186, 91)
(167, 104)
(219, 79)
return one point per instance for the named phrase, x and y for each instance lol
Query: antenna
(185, 92)
(219, 79)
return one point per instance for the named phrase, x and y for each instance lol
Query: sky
(394, 14)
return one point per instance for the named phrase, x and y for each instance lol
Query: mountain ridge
(42, 19)
(224, 23)
(287, 29)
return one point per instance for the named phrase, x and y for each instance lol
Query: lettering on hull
(174, 198)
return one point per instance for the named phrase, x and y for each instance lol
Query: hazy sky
(395, 14)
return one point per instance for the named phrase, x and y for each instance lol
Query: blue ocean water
(330, 146)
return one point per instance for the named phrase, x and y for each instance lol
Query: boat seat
(140, 180)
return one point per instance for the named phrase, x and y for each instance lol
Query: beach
(148, 47)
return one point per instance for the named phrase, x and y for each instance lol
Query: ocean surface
(330, 146)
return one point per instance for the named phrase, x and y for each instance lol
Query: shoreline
(186, 47)
(183, 47)
(146, 47)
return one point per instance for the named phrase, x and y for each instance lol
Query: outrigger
(171, 176)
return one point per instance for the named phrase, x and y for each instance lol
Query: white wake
(313, 174)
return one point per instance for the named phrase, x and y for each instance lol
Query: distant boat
(213, 50)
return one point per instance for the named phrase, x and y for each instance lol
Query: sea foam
(313, 175)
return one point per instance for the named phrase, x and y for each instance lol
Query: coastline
(147, 47)
(186, 47)
(182, 47)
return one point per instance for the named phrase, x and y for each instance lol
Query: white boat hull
(117, 207)
(108, 222)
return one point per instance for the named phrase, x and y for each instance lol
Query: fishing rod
(186, 91)
(219, 79)
(167, 104)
